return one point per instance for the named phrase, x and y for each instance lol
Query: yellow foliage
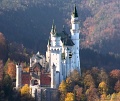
(25, 89)
(118, 94)
(69, 97)
(68, 80)
(62, 86)
(103, 87)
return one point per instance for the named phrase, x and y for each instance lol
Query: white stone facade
(63, 51)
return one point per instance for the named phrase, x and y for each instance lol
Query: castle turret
(55, 55)
(53, 76)
(75, 38)
(48, 51)
(18, 75)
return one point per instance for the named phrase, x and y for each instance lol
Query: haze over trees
(99, 20)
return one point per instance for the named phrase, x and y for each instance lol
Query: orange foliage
(26, 69)
(11, 69)
(2, 39)
(115, 74)
(117, 86)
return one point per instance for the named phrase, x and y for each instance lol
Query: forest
(93, 84)
(99, 22)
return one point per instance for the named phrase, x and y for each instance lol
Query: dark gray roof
(37, 65)
(68, 42)
(75, 14)
(56, 34)
(66, 39)
(35, 76)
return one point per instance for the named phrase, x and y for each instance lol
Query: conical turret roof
(75, 14)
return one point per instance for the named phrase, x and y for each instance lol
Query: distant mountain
(29, 22)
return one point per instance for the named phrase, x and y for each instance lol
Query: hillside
(29, 22)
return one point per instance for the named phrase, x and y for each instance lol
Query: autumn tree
(113, 97)
(103, 76)
(117, 86)
(92, 94)
(63, 90)
(79, 93)
(69, 84)
(103, 88)
(25, 89)
(73, 79)
(11, 69)
(115, 74)
(88, 81)
(25, 93)
(75, 75)
(95, 74)
(69, 97)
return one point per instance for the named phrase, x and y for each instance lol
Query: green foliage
(7, 85)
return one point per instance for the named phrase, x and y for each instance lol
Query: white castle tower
(55, 55)
(18, 76)
(75, 30)
(53, 75)
(63, 51)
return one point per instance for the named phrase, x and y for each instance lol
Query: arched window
(35, 82)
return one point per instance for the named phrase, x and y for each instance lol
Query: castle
(62, 57)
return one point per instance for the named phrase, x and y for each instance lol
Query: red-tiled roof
(45, 79)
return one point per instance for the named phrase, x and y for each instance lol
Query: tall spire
(55, 30)
(53, 24)
(75, 14)
(63, 27)
(53, 27)
(49, 42)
